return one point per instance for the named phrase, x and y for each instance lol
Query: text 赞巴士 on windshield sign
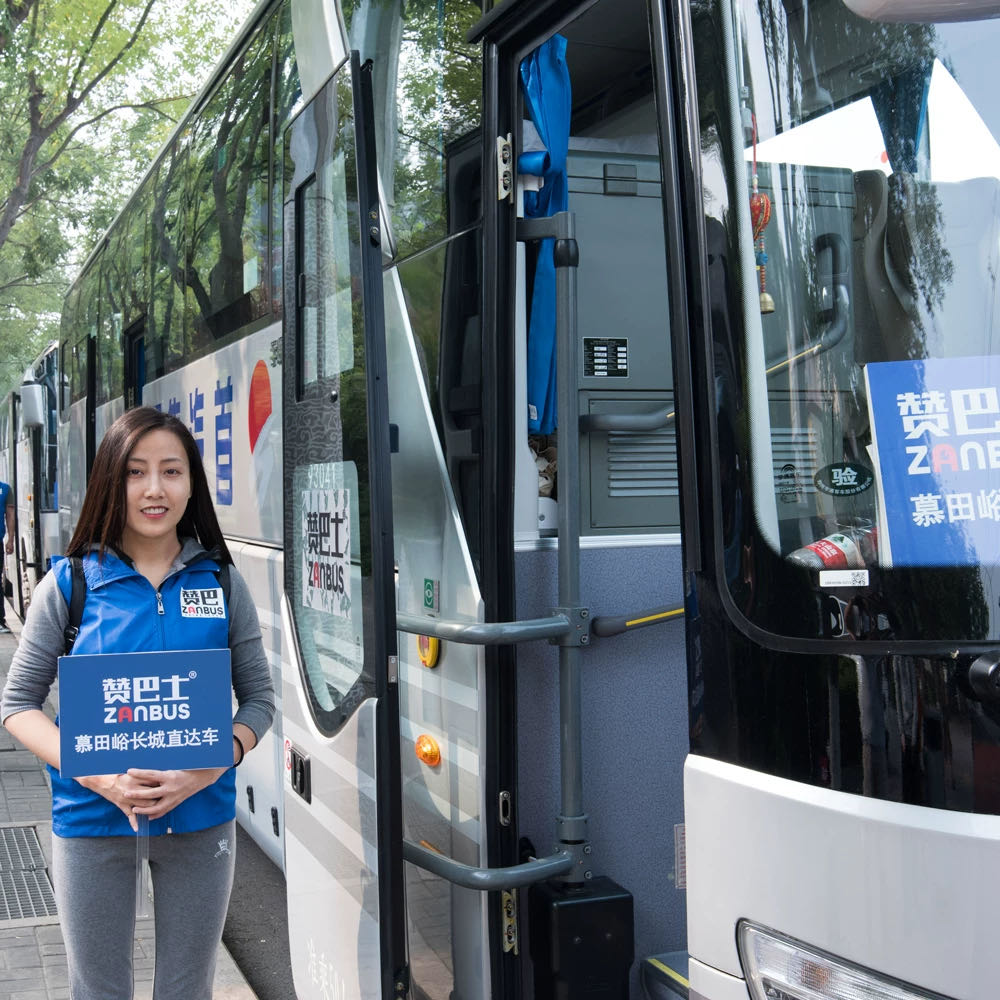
(164, 711)
(936, 441)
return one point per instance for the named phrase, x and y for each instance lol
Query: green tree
(90, 89)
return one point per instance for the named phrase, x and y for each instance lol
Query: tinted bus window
(166, 282)
(227, 212)
(287, 103)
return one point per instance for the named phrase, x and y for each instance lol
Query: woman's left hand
(165, 790)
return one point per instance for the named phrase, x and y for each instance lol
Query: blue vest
(124, 614)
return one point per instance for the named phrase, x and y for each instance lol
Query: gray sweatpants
(94, 881)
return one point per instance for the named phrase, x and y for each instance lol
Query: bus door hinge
(505, 168)
(508, 913)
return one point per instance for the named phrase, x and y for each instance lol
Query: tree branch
(42, 167)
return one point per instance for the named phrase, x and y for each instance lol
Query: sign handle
(142, 868)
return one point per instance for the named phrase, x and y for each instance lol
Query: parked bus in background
(29, 465)
(600, 400)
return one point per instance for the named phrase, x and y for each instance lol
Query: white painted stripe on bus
(430, 681)
(461, 757)
(331, 825)
(421, 795)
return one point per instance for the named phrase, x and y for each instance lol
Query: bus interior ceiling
(634, 685)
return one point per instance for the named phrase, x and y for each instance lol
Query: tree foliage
(90, 89)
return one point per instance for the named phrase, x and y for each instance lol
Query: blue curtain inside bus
(545, 81)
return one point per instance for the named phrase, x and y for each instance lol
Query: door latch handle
(301, 777)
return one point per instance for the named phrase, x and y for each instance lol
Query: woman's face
(157, 490)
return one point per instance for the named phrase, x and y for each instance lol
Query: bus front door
(343, 832)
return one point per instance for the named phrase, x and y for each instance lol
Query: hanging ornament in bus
(760, 216)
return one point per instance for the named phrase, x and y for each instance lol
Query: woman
(147, 530)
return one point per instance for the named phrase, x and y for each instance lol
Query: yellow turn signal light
(427, 750)
(428, 649)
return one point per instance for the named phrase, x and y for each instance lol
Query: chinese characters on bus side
(192, 412)
(326, 551)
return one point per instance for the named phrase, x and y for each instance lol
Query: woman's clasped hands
(144, 792)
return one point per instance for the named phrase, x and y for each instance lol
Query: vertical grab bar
(572, 821)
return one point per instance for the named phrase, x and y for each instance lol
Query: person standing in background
(7, 537)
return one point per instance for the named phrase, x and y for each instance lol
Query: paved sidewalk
(32, 954)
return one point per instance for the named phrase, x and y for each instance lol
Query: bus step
(665, 977)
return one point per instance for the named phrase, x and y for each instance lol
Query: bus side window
(227, 206)
(287, 103)
(166, 298)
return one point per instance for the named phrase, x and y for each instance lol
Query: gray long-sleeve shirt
(34, 666)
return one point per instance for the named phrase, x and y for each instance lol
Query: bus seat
(928, 270)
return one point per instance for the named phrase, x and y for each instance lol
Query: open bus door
(343, 832)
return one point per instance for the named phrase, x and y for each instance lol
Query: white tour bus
(601, 400)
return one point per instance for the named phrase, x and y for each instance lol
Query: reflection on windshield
(873, 425)
(961, 144)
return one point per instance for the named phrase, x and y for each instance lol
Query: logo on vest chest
(206, 603)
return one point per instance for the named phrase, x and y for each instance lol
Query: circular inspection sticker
(844, 479)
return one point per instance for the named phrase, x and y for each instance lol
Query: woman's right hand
(115, 788)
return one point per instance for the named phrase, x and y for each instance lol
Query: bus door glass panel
(335, 822)
(870, 355)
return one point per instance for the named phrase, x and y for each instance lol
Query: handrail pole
(488, 879)
(572, 822)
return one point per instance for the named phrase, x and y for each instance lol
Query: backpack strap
(222, 575)
(78, 597)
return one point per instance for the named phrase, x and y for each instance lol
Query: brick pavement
(32, 954)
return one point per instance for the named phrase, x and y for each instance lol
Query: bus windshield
(852, 179)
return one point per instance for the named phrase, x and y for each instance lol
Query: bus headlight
(780, 968)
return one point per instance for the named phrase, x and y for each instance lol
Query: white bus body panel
(443, 806)
(837, 871)
(333, 895)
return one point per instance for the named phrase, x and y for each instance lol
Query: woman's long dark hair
(102, 519)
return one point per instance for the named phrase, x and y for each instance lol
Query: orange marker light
(427, 750)
(428, 649)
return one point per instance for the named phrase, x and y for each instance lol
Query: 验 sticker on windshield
(326, 551)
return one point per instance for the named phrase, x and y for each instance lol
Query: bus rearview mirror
(33, 405)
